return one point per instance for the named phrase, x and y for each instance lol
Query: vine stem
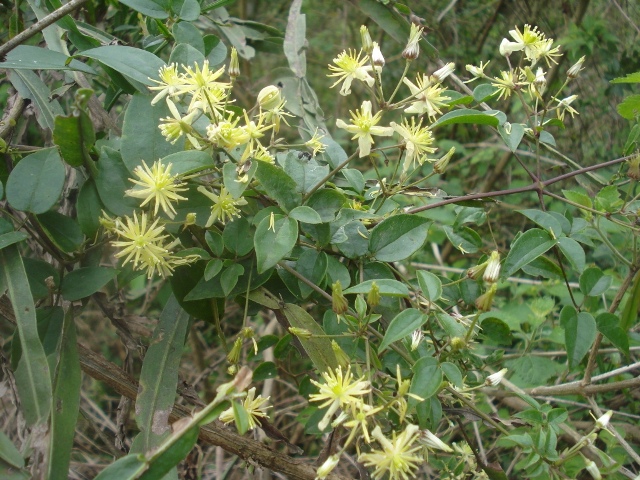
(39, 26)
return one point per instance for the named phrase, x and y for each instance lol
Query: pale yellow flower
(172, 128)
(338, 390)
(349, 66)
(564, 106)
(397, 457)
(254, 406)
(327, 467)
(205, 90)
(417, 141)
(363, 126)
(428, 96)
(433, 442)
(506, 84)
(158, 186)
(254, 132)
(224, 208)
(226, 134)
(360, 413)
(528, 40)
(477, 72)
(170, 83)
(276, 115)
(315, 144)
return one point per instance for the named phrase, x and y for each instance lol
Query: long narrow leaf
(66, 401)
(32, 374)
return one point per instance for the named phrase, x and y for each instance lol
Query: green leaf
(390, 288)
(265, 371)
(629, 315)
(593, 282)
(187, 33)
(305, 214)
(38, 271)
(65, 403)
(457, 98)
(273, 243)
(512, 134)
(608, 199)
(125, 468)
(89, 208)
(609, 325)
(497, 331)
(185, 162)
(579, 333)
(147, 7)
(240, 417)
(143, 140)
(26, 57)
(468, 115)
(630, 78)
(630, 107)
(427, 378)
(398, 237)
(35, 184)
(29, 86)
(10, 238)
(190, 10)
(318, 347)
(452, 372)
(238, 237)
(234, 185)
(526, 248)
(185, 54)
(327, 203)
(483, 92)
(32, 373)
(229, 278)
(134, 63)
(579, 198)
(74, 136)
(278, 185)
(161, 464)
(86, 281)
(312, 265)
(112, 181)
(212, 269)
(545, 220)
(402, 326)
(63, 231)
(295, 42)
(214, 242)
(430, 285)
(574, 252)
(9, 453)
(305, 172)
(463, 238)
(159, 377)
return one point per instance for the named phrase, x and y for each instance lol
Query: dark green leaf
(463, 238)
(9, 453)
(593, 282)
(85, 281)
(125, 468)
(147, 7)
(573, 251)
(229, 277)
(452, 372)
(579, 333)
(398, 237)
(32, 373)
(526, 248)
(35, 184)
(327, 203)
(10, 238)
(63, 231)
(278, 185)
(26, 57)
(430, 285)
(186, 54)
(609, 325)
(312, 265)
(483, 92)
(74, 136)
(512, 134)
(160, 465)
(391, 288)
(305, 214)
(467, 115)
(402, 326)
(134, 63)
(190, 10)
(30, 86)
(212, 269)
(238, 237)
(112, 181)
(273, 243)
(234, 185)
(497, 331)
(187, 33)
(265, 371)
(89, 208)
(215, 242)
(629, 316)
(240, 417)
(427, 378)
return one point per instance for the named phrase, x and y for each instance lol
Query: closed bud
(342, 358)
(412, 50)
(603, 421)
(376, 56)
(458, 343)
(495, 378)
(484, 302)
(269, 97)
(633, 172)
(593, 470)
(234, 355)
(430, 440)
(474, 272)
(444, 72)
(300, 332)
(234, 64)
(441, 164)
(577, 67)
(367, 43)
(190, 219)
(329, 464)
(540, 81)
(373, 297)
(339, 304)
(492, 272)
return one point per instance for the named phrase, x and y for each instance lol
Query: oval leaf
(85, 281)
(398, 237)
(401, 326)
(272, 243)
(526, 248)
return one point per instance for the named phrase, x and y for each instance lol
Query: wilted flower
(349, 66)
(367, 43)
(484, 302)
(495, 378)
(338, 390)
(373, 297)
(397, 457)
(234, 64)
(576, 68)
(158, 186)
(364, 126)
(342, 358)
(441, 164)
(339, 302)
(224, 208)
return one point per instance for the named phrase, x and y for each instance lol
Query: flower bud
(190, 219)
(412, 50)
(376, 55)
(484, 302)
(441, 164)
(373, 297)
(477, 72)
(300, 332)
(458, 343)
(577, 67)
(416, 338)
(269, 97)
(329, 464)
(492, 272)
(633, 172)
(430, 440)
(593, 470)
(474, 272)
(540, 81)
(342, 358)
(507, 47)
(234, 355)
(234, 64)
(339, 304)
(495, 378)
(367, 43)
(442, 73)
